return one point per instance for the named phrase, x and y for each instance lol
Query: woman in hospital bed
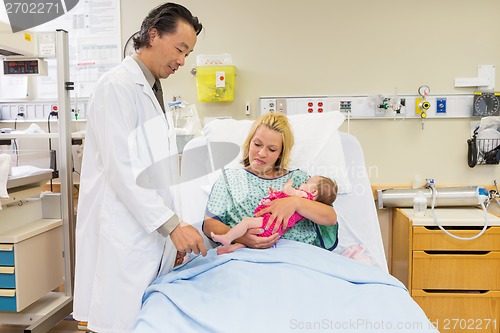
(234, 196)
(199, 296)
(318, 188)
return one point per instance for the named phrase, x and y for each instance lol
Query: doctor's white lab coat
(129, 166)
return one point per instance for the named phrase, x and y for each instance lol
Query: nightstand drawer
(425, 238)
(38, 268)
(467, 271)
(7, 277)
(461, 312)
(6, 255)
(8, 299)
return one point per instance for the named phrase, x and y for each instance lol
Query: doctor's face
(169, 52)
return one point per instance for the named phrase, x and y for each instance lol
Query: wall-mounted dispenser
(215, 78)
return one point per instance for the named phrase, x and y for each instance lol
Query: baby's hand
(288, 187)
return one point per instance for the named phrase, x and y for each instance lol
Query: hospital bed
(292, 286)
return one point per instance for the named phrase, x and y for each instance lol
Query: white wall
(351, 47)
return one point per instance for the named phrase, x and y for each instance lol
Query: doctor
(127, 231)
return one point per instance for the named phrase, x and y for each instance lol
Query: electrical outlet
(267, 105)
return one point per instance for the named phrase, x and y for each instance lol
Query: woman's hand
(281, 210)
(251, 239)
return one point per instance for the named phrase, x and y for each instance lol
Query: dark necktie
(159, 93)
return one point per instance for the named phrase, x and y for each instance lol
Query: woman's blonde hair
(277, 122)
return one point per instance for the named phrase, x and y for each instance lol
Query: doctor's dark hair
(165, 18)
(276, 122)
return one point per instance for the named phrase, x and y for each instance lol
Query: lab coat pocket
(121, 228)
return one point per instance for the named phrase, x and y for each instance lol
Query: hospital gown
(238, 192)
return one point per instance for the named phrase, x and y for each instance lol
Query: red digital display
(20, 67)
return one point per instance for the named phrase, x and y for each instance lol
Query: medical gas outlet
(395, 104)
(422, 105)
(441, 105)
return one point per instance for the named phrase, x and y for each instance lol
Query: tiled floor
(66, 326)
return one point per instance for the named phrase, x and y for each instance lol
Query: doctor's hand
(187, 239)
(281, 210)
(251, 239)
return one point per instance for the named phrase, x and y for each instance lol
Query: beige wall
(352, 47)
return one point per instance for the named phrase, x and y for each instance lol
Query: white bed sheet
(357, 216)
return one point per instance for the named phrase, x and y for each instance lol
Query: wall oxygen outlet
(441, 105)
(421, 105)
(418, 100)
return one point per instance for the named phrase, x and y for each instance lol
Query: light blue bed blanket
(293, 287)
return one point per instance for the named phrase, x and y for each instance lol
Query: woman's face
(265, 149)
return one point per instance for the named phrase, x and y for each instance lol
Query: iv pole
(65, 168)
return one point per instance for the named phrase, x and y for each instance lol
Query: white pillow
(228, 130)
(317, 149)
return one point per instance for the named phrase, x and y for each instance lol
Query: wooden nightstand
(456, 282)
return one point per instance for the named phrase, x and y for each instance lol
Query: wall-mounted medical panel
(39, 111)
(372, 107)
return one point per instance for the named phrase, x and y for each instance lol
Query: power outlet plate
(281, 105)
(267, 105)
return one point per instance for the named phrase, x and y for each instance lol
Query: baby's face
(311, 184)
